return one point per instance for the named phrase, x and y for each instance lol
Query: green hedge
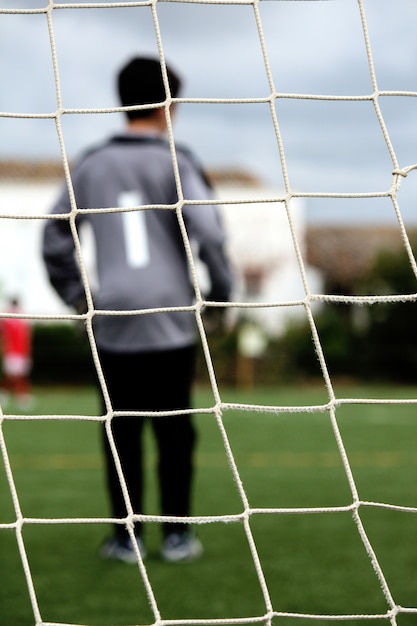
(61, 354)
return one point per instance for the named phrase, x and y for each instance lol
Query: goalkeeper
(148, 360)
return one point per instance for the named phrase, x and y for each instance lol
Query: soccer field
(313, 562)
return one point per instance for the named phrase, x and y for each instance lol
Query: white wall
(260, 236)
(21, 268)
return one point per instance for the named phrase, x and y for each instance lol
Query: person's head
(140, 82)
(14, 302)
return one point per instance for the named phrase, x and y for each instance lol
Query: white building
(261, 243)
(267, 247)
(26, 192)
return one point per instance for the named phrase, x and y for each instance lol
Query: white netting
(285, 201)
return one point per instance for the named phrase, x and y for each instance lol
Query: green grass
(312, 563)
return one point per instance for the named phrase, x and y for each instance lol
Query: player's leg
(127, 434)
(176, 439)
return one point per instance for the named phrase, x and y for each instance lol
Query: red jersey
(16, 337)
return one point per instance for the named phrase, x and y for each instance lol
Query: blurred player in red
(16, 345)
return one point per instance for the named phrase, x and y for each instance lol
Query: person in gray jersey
(148, 360)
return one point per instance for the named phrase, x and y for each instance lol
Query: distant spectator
(16, 348)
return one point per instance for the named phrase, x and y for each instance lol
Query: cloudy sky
(314, 48)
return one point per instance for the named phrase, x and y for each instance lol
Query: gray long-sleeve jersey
(141, 260)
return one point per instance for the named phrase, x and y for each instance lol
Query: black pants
(154, 381)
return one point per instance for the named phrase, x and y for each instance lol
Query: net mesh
(285, 201)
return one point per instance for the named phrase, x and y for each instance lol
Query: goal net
(254, 117)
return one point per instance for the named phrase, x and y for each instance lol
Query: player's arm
(58, 253)
(204, 226)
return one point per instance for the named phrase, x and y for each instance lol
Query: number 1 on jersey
(134, 230)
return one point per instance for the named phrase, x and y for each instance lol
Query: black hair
(140, 82)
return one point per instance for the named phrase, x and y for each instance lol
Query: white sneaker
(181, 547)
(121, 549)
